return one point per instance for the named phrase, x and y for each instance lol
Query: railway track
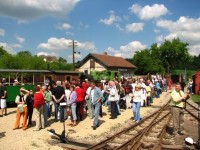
(192, 118)
(139, 134)
(150, 133)
(192, 109)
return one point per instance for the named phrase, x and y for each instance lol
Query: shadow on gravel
(169, 130)
(101, 122)
(2, 134)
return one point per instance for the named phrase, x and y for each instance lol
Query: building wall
(86, 66)
(196, 81)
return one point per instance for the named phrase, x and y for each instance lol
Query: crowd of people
(77, 100)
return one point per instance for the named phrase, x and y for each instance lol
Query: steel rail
(104, 143)
(111, 138)
(137, 144)
(192, 114)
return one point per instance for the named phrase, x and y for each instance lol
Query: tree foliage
(163, 58)
(25, 60)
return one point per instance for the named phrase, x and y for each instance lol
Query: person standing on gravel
(71, 103)
(22, 109)
(38, 103)
(3, 95)
(95, 97)
(47, 99)
(29, 101)
(137, 98)
(88, 101)
(178, 98)
(113, 97)
(58, 95)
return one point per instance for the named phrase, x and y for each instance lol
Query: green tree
(62, 60)
(2, 51)
(172, 53)
(146, 63)
(24, 53)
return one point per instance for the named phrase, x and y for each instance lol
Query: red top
(84, 86)
(80, 94)
(38, 100)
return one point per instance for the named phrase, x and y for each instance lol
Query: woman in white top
(67, 97)
(137, 98)
(113, 97)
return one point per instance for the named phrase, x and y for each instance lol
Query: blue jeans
(118, 108)
(62, 110)
(136, 110)
(49, 110)
(73, 109)
(190, 90)
(158, 91)
(95, 111)
(165, 87)
(56, 105)
(45, 113)
(107, 103)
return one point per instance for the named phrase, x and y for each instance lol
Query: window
(86, 71)
(92, 63)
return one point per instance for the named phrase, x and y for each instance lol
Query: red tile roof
(112, 61)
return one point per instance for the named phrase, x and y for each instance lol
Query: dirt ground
(19, 139)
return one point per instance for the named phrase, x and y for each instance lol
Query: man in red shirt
(80, 101)
(85, 85)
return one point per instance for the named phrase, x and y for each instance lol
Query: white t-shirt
(92, 95)
(67, 95)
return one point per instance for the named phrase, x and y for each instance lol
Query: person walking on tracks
(178, 98)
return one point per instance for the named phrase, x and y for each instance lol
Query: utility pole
(73, 44)
(73, 51)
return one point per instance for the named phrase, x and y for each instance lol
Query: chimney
(105, 53)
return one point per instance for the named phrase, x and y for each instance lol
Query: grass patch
(195, 98)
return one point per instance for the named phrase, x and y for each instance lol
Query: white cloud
(31, 9)
(156, 31)
(127, 51)
(134, 27)
(112, 18)
(160, 39)
(195, 49)
(64, 44)
(10, 48)
(119, 27)
(185, 28)
(77, 57)
(132, 47)
(69, 33)
(83, 26)
(47, 54)
(55, 44)
(86, 46)
(64, 26)
(149, 12)
(2, 32)
(20, 39)
(112, 50)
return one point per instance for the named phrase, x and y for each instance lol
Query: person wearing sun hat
(21, 102)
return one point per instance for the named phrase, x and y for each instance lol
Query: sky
(118, 27)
